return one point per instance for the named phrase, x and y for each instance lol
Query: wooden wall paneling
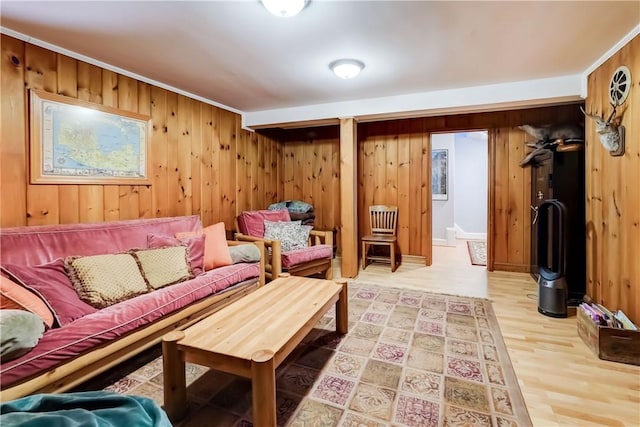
(613, 192)
(257, 200)
(404, 185)
(196, 180)
(209, 141)
(242, 172)
(41, 73)
(519, 187)
(160, 148)
(348, 197)
(630, 283)
(184, 141)
(217, 147)
(415, 193)
(325, 205)
(491, 197)
(90, 197)
(391, 166)
(366, 187)
(128, 101)
(227, 168)
(302, 171)
(314, 196)
(68, 195)
(379, 164)
(145, 192)
(335, 191)
(426, 238)
(174, 192)
(288, 170)
(501, 208)
(111, 192)
(13, 131)
(261, 184)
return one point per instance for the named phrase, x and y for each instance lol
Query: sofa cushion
(20, 331)
(292, 234)
(293, 258)
(163, 266)
(244, 253)
(194, 243)
(103, 280)
(252, 222)
(51, 283)
(15, 296)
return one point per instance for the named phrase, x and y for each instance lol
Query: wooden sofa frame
(72, 373)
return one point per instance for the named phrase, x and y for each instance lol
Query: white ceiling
(418, 54)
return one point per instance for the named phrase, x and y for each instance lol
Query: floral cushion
(299, 256)
(292, 234)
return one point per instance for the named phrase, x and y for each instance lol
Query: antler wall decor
(611, 135)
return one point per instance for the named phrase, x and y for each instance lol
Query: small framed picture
(439, 179)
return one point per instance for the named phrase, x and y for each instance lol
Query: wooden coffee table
(250, 338)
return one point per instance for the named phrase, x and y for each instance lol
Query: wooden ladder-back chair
(383, 221)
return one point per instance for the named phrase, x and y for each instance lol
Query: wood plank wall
(394, 165)
(202, 161)
(613, 193)
(311, 172)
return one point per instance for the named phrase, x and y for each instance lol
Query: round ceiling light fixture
(346, 68)
(284, 8)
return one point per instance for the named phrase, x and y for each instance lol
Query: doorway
(459, 202)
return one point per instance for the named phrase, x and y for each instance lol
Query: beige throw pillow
(163, 266)
(103, 280)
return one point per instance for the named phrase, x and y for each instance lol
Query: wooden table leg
(175, 384)
(342, 308)
(263, 377)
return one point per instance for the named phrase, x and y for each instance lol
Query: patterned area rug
(477, 251)
(410, 359)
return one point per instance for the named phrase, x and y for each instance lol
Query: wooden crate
(617, 345)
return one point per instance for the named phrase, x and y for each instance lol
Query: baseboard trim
(516, 268)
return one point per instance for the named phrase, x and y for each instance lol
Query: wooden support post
(342, 308)
(263, 377)
(175, 385)
(348, 196)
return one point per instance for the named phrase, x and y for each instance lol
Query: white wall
(470, 185)
(443, 210)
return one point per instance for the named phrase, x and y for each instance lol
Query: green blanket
(84, 409)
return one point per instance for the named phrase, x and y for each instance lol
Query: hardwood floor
(562, 381)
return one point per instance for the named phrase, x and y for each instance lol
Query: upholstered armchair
(289, 246)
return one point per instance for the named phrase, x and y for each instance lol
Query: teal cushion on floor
(83, 409)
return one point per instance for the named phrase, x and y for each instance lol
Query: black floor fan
(552, 230)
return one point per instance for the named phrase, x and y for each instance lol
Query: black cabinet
(560, 175)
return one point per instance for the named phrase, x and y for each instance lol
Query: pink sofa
(91, 341)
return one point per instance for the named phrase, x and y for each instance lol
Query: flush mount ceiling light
(284, 8)
(346, 68)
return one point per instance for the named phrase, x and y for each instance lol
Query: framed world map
(77, 142)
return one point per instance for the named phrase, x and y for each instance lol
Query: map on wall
(91, 143)
(79, 144)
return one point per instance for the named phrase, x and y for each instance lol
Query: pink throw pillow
(15, 296)
(51, 283)
(252, 222)
(195, 247)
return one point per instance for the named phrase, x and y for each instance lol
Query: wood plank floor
(563, 382)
